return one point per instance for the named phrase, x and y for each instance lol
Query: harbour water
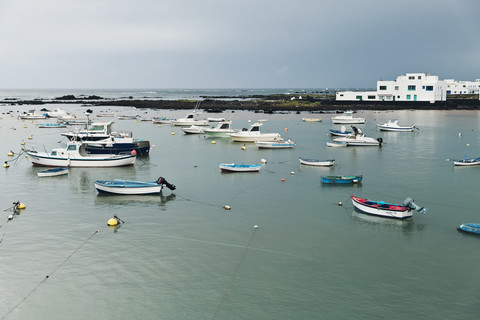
(182, 256)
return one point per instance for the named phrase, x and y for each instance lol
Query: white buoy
(264, 160)
(227, 207)
(255, 227)
(10, 217)
(468, 144)
(292, 173)
(340, 204)
(460, 134)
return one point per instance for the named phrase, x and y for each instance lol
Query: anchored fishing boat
(189, 120)
(223, 129)
(467, 162)
(341, 133)
(52, 125)
(383, 209)
(341, 179)
(336, 144)
(359, 140)
(192, 130)
(317, 163)
(312, 119)
(53, 172)
(128, 187)
(233, 167)
(31, 115)
(253, 134)
(283, 144)
(74, 155)
(470, 228)
(347, 118)
(392, 125)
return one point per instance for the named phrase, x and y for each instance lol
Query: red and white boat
(389, 210)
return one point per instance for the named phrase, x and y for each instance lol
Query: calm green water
(182, 256)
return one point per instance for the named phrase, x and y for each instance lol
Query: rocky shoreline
(265, 104)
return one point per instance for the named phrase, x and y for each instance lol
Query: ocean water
(182, 256)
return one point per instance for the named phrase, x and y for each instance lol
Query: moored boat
(470, 228)
(383, 209)
(31, 115)
(312, 119)
(74, 155)
(318, 163)
(341, 133)
(128, 187)
(282, 144)
(467, 162)
(336, 144)
(359, 140)
(53, 172)
(223, 129)
(347, 118)
(192, 130)
(189, 120)
(392, 125)
(233, 167)
(341, 179)
(52, 125)
(253, 134)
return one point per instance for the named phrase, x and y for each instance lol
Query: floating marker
(213, 142)
(25, 126)
(10, 217)
(255, 227)
(173, 133)
(283, 180)
(227, 207)
(133, 152)
(6, 165)
(340, 204)
(159, 125)
(21, 206)
(30, 138)
(468, 144)
(10, 154)
(264, 160)
(244, 148)
(112, 222)
(292, 173)
(286, 129)
(460, 134)
(23, 143)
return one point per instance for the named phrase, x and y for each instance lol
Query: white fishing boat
(128, 187)
(52, 125)
(467, 162)
(74, 155)
(392, 125)
(53, 172)
(359, 140)
(388, 210)
(312, 119)
(57, 112)
(347, 118)
(223, 129)
(215, 119)
(189, 120)
(192, 130)
(317, 163)
(253, 134)
(233, 167)
(282, 144)
(31, 115)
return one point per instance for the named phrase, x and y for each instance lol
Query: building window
(341, 94)
(411, 78)
(398, 97)
(429, 88)
(419, 77)
(408, 97)
(371, 97)
(359, 97)
(412, 88)
(396, 87)
(383, 87)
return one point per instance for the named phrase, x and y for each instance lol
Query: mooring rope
(48, 276)
(235, 273)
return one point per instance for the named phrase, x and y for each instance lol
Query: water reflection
(405, 225)
(117, 199)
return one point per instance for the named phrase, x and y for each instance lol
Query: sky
(234, 43)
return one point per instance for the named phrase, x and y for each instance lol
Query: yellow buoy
(244, 148)
(112, 222)
(6, 165)
(23, 143)
(173, 133)
(159, 125)
(21, 206)
(213, 142)
(25, 126)
(10, 154)
(30, 138)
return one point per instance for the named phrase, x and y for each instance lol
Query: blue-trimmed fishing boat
(470, 228)
(233, 167)
(340, 133)
(467, 162)
(124, 187)
(52, 125)
(53, 172)
(341, 179)
(317, 163)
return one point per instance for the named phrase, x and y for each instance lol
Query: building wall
(462, 87)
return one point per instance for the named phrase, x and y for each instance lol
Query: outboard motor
(380, 141)
(412, 205)
(162, 180)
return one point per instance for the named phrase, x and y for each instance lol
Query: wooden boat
(383, 209)
(233, 167)
(283, 144)
(312, 119)
(341, 179)
(74, 155)
(347, 118)
(470, 228)
(317, 163)
(336, 144)
(53, 172)
(127, 187)
(392, 125)
(52, 125)
(253, 134)
(359, 140)
(467, 162)
(192, 130)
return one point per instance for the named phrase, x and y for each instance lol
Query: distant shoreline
(265, 104)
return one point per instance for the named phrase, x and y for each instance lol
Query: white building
(409, 87)
(462, 87)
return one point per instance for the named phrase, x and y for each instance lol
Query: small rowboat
(132, 187)
(53, 172)
(312, 119)
(282, 144)
(52, 125)
(392, 125)
(341, 179)
(470, 228)
(388, 210)
(318, 163)
(232, 167)
(467, 162)
(340, 133)
(336, 144)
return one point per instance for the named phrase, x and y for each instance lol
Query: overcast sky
(234, 43)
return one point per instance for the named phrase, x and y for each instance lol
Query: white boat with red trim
(388, 210)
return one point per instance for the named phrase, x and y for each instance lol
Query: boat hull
(275, 145)
(125, 187)
(252, 138)
(341, 179)
(397, 129)
(140, 147)
(379, 208)
(348, 121)
(467, 162)
(53, 172)
(470, 228)
(232, 167)
(358, 141)
(43, 159)
(317, 163)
